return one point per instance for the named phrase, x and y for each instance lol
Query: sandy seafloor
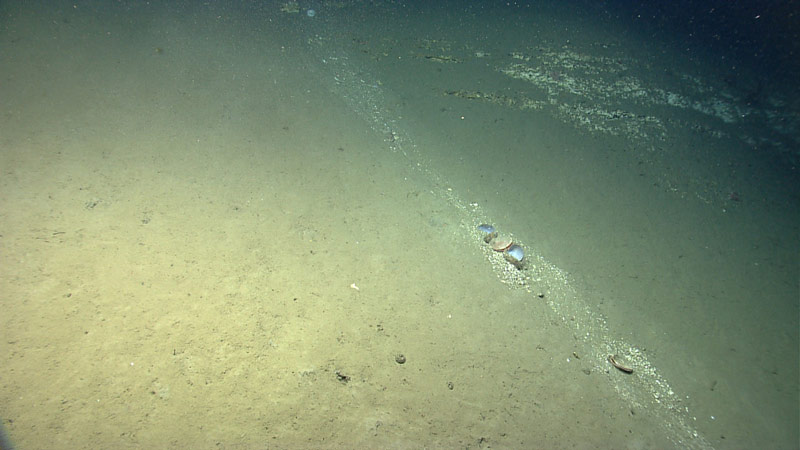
(191, 195)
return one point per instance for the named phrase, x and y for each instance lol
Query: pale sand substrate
(183, 219)
(178, 251)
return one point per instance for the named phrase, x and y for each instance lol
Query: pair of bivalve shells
(502, 243)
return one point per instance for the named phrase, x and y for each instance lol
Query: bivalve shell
(501, 242)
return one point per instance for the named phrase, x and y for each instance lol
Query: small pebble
(400, 359)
